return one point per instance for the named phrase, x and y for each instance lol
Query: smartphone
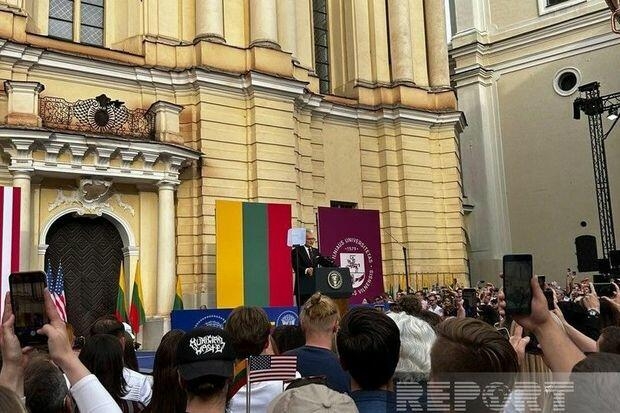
(549, 297)
(469, 302)
(542, 280)
(504, 332)
(604, 289)
(518, 272)
(28, 305)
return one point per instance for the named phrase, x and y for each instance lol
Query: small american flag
(56, 287)
(265, 368)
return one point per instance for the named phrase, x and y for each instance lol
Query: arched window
(87, 28)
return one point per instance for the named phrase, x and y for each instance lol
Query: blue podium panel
(189, 319)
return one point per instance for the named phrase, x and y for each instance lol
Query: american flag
(56, 287)
(265, 368)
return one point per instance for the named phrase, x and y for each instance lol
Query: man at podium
(304, 259)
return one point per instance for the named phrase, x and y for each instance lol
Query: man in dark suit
(304, 259)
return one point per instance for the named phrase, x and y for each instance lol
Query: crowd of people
(373, 358)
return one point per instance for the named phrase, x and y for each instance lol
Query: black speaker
(603, 266)
(614, 258)
(587, 257)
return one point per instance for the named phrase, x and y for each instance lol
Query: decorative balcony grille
(100, 115)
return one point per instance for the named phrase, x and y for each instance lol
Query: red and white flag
(10, 200)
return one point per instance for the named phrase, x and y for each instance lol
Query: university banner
(252, 260)
(351, 237)
(189, 319)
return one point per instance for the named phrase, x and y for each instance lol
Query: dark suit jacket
(300, 261)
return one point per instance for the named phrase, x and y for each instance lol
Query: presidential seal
(211, 320)
(334, 279)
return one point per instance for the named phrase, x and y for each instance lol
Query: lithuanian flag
(240, 377)
(136, 308)
(121, 309)
(178, 296)
(253, 262)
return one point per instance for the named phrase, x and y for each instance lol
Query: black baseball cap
(205, 351)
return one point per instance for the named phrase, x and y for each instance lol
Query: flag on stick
(178, 296)
(121, 309)
(266, 368)
(57, 290)
(136, 309)
(240, 377)
(10, 204)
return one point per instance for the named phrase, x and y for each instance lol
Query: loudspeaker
(614, 258)
(603, 266)
(587, 257)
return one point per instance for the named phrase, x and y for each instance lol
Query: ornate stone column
(264, 23)
(287, 27)
(210, 20)
(436, 43)
(400, 41)
(166, 247)
(21, 179)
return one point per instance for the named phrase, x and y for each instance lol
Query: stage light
(613, 114)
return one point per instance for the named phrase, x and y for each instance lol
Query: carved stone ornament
(92, 197)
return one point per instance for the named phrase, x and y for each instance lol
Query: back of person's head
(488, 314)
(312, 398)
(319, 314)
(416, 340)
(205, 360)
(610, 316)
(430, 317)
(102, 354)
(288, 338)
(609, 341)
(108, 324)
(594, 383)
(369, 346)
(10, 402)
(598, 363)
(410, 304)
(466, 345)
(129, 352)
(168, 396)
(45, 388)
(249, 329)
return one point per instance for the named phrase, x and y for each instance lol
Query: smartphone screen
(549, 297)
(517, 289)
(28, 306)
(604, 289)
(469, 302)
(542, 281)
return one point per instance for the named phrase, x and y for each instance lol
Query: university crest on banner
(351, 237)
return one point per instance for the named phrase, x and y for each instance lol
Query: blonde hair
(319, 313)
(10, 402)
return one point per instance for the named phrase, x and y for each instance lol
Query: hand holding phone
(518, 272)
(28, 306)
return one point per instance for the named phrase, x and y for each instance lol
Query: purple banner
(351, 237)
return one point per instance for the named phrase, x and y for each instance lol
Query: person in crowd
(594, 381)
(205, 361)
(609, 340)
(410, 304)
(433, 305)
(287, 338)
(45, 388)
(10, 402)
(168, 396)
(312, 398)
(103, 355)
(319, 322)
(138, 385)
(416, 338)
(304, 259)
(430, 317)
(89, 395)
(249, 329)
(369, 348)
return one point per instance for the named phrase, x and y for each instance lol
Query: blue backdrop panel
(189, 319)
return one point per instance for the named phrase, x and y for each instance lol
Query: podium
(333, 282)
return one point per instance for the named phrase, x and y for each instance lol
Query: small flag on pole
(178, 296)
(136, 308)
(10, 205)
(57, 290)
(266, 368)
(240, 377)
(121, 309)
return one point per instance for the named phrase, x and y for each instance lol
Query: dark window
(554, 2)
(342, 204)
(91, 24)
(321, 43)
(61, 19)
(567, 81)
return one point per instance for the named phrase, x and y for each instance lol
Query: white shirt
(138, 386)
(262, 393)
(437, 310)
(91, 397)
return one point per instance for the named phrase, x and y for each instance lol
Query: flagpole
(248, 386)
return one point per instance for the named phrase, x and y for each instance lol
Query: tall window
(88, 30)
(321, 44)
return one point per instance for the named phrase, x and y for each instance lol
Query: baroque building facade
(123, 123)
(527, 164)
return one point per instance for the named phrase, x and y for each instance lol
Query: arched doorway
(90, 250)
